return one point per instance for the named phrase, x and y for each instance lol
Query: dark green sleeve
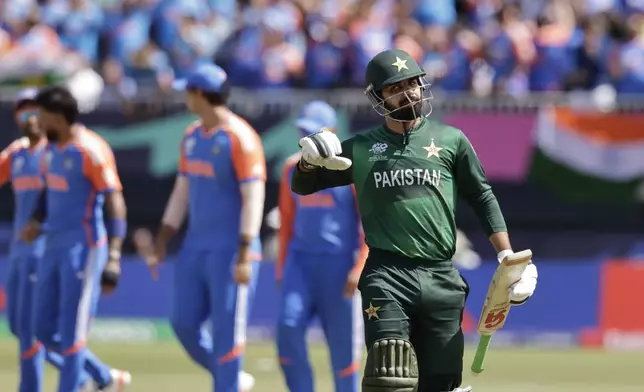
(473, 186)
(306, 183)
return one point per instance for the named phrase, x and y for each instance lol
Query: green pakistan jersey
(407, 185)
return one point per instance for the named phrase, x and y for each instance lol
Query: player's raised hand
(323, 149)
(31, 231)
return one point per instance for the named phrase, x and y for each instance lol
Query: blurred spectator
(128, 29)
(627, 55)
(327, 44)
(370, 29)
(449, 56)
(436, 12)
(268, 54)
(557, 40)
(506, 47)
(78, 23)
(511, 51)
(590, 57)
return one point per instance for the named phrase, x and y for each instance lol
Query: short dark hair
(219, 98)
(59, 100)
(23, 104)
(216, 99)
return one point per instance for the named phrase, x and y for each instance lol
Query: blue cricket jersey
(20, 165)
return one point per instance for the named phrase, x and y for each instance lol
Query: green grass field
(164, 368)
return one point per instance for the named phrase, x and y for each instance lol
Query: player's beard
(410, 112)
(52, 135)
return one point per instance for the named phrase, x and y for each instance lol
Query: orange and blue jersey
(326, 222)
(321, 245)
(78, 175)
(20, 165)
(216, 162)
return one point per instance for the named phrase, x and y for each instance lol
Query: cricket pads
(391, 367)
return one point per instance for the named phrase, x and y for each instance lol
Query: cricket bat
(497, 303)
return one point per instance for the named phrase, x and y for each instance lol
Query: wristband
(117, 228)
(244, 243)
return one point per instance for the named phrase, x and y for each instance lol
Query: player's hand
(526, 282)
(111, 276)
(352, 285)
(155, 258)
(31, 231)
(522, 290)
(152, 252)
(243, 270)
(323, 149)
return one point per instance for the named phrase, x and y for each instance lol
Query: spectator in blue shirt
(78, 23)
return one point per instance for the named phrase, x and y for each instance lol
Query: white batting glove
(525, 281)
(323, 149)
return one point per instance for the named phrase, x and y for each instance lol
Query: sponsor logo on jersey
(407, 177)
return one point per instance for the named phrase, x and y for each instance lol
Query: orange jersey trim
(247, 152)
(286, 205)
(99, 164)
(7, 154)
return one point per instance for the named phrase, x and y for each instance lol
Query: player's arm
(473, 186)
(308, 180)
(5, 165)
(32, 229)
(250, 168)
(286, 205)
(175, 210)
(100, 168)
(363, 250)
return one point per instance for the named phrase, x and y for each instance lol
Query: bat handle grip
(479, 356)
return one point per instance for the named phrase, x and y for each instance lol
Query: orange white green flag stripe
(588, 154)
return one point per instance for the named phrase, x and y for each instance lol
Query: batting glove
(323, 149)
(525, 280)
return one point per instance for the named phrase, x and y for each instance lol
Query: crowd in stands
(504, 46)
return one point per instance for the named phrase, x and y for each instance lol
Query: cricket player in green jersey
(407, 174)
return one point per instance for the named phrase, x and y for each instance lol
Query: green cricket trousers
(420, 301)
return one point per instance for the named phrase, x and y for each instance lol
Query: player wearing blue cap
(221, 185)
(321, 255)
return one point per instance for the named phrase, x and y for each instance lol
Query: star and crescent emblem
(372, 311)
(432, 150)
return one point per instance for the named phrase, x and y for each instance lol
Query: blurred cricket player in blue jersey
(78, 259)
(321, 255)
(221, 185)
(20, 165)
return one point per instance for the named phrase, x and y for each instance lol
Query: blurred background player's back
(550, 92)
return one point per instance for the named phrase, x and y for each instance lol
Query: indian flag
(588, 155)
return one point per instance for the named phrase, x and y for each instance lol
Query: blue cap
(28, 94)
(315, 116)
(209, 78)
